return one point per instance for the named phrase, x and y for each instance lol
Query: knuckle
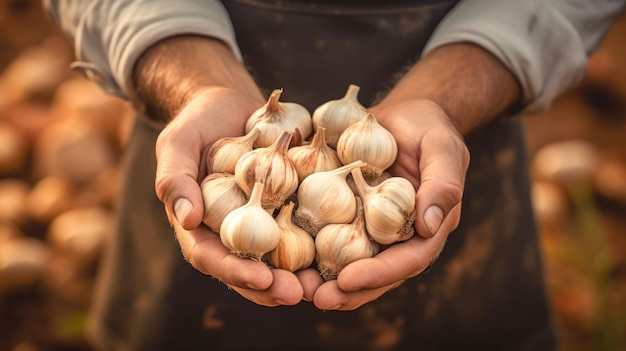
(162, 183)
(453, 193)
(163, 138)
(465, 155)
(448, 193)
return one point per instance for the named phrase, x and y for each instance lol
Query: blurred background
(61, 140)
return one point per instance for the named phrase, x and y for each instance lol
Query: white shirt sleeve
(545, 43)
(110, 35)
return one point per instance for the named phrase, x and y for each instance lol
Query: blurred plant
(571, 165)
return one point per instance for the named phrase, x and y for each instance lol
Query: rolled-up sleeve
(545, 44)
(110, 35)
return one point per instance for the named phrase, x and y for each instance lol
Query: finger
(178, 156)
(443, 164)
(206, 253)
(407, 167)
(397, 262)
(285, 290)
(330, 297)
(310, 279)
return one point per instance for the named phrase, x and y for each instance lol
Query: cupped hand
(433, 156)
(181, 148)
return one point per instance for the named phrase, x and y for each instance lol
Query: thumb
(443, 166)
(176, 181)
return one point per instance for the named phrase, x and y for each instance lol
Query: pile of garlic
(288, 196)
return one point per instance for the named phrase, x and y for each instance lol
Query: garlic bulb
(270, 166)
(324, 198)
(314, 157)
(224, 153)
(337, 245)
(276, 117)
(221, 195)
(296, 249)
(250, 231)
(389, 208)
(369, 142)
(337, 115)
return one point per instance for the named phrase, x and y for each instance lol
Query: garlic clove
(249, 231)
(221, 195)
(337, 115)
(296, 248)
(224, 153)
(369, 142)
(389, 208)
(276, 117)
(269, 166)
(316, 156)
(324, 198)
(337, 245)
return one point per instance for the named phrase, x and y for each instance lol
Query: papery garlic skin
(249, 231)
(324, 198)
(389, 208)
(296, 248)
(276, 117)
(224, 153)
(314, 157)
(369, 142)
(270, 166)
(337, 245)
(381, 178)
(337, 115)
(221, 195)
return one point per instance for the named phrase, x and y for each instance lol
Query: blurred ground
(584, 220)
(61, 138)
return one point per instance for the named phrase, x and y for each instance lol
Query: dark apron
(485, 292)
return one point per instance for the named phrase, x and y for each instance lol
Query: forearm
(109, 36)
(174, 70)
(471, 85)
(544, 43)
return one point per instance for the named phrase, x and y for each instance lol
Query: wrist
(170, 73)
(467, 82)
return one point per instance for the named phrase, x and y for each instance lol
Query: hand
(451, 92)
(433, 156)
(197, 86)
(181, 148)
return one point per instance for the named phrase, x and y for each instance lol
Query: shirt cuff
(537, 43)
(113, 34)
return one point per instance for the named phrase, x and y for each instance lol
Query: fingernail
(182, 208)
(433, 218)
(335, 307)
